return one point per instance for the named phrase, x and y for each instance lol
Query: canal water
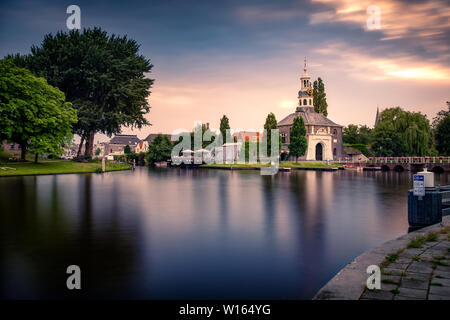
(193, 234)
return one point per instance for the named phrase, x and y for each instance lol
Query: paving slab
(441, 291)
(412, 293)
(377, 295)
(415, 284)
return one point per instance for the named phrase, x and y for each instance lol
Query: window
(304, 83)
(283, 138)
(300, 101)
(310, 102)
(304, 102)
(334, 132)
(334, 152)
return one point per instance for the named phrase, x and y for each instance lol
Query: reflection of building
(324, 137)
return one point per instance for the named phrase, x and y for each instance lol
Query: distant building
(11, 147)
(248, 136)
(142, 146)
(354, 155)
(117, 144)
(324, 137)
(152, 137)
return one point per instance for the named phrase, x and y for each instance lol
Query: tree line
(402, 133)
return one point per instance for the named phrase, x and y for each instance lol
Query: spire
(304, 67)
(376, 117)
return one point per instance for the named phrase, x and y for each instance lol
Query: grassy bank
(56, 166)
(287, 164)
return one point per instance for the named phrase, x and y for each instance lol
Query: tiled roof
(130, 139)
(310, 117)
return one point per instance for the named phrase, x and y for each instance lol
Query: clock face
(309, 91)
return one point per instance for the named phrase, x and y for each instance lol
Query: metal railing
(418, 160)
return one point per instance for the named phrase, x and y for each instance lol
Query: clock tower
(305, 95)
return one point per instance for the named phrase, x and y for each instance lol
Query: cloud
(357, 62)
(428, 21)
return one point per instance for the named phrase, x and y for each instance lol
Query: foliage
(205, 143)
(224, 125)
(103, 76)
(354, 134)
(159, 150)
(320, 97)
(33, 113)
(98, 151)
(387, 141)
(297, 134)
(269, 125)
(127, 149)
(441, 115)
(402, 133)
(442, 136)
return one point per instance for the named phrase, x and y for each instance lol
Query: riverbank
(301, 165)
(415, 266)
(56, 167)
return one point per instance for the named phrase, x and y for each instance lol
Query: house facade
(324, 137)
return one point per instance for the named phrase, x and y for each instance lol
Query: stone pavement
(420, 272)
(415, 266)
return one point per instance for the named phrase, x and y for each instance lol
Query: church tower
(305, 95)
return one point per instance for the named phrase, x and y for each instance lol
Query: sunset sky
(244, 58)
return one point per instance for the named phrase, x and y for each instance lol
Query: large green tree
(104, 77)
(413, 129)
(297, 137)
(442, 136)
(320, 97)
(353, 134)
(159, 150)
(269, 125)
(33, 113)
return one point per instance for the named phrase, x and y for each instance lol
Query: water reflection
(168, 233)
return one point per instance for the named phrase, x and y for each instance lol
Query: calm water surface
(192, 234)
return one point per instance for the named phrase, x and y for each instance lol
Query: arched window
(304, 102)
(304, 83)
(310, 102)
(300, 101)
(334, 132)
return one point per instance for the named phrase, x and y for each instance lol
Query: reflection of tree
(43, 243)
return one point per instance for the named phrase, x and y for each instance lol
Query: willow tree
(413, 128)
(104, 77)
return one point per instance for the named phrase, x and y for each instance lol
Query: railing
(418, 160)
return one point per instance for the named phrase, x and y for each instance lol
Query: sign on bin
(419, 185)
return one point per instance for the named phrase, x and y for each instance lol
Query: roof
(310, 117)
(130, 139)
(350, 150)
(152, 136)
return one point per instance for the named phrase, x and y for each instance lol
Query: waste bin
(426, 210)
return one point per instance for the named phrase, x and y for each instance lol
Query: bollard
(426, 210)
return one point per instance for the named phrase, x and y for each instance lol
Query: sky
(244, 58)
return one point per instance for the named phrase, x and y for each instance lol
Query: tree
(33, 113)
(320, 97)
(387, 142)
(353, 134)
(103, 76)
(159, 150)
(297, 136)
(413, 129)
(442, 136)
(269, 125)
(224, 125)
(127, 149)
(441, 115)
(350, 134)
(98, 151)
